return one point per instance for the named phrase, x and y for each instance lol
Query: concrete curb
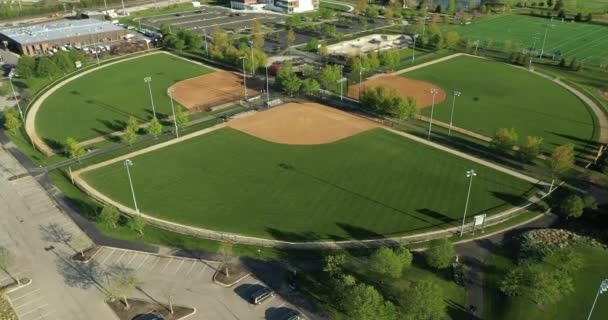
(232, 283)
(17, 287)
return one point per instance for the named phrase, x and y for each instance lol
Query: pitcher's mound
(302, 124)
(213, 89)
(405, 87)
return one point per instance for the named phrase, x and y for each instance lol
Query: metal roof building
(38, 39)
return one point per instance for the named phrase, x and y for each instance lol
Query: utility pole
(603, 288)
(148, 80)
(542, 50)
(470, 174)
(244, 78)
(173, 110)
(129, 163)
(434, 92)
(455, 94)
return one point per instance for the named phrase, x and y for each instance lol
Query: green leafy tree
(155, 127)
(451, 7)
(406, 109)
(424, 300)
(137, 223)
(451, 39)
(504, 139)
(361, 6)
(335, 263)
(258, 34)
(292, 85)
(63, 62)
(310, 87)
(323, 51)
(389, 15)
(308, 71)
(46, 68)
(530, 149)
(74, 149)
(121, 284)
(561, 159)
(294, 21)
(329, 75)
(440, 253)
(363, 302)
(405, 256)
(181, 116)
(572, 206)
(326, 13)
(165, 29)
(109, 216)
(371, 11)
(384, 261)
(12, 122)
(313, 44)
(130, 134)
(291, 37)
(26, 66)
(390, 58)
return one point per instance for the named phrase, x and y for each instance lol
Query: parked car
(293, 315)
(261, 295)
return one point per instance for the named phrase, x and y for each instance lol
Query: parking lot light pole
(602, 289)
(129, 163)
(173, 110)
(10, 81)
(267, 87)
(455, 94)
(470, 174)
(206, 46)
(244, 78)
(414, 48)
(148, 80)
(96, 56)
(434, 92)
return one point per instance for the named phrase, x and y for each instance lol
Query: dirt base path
(302, 124)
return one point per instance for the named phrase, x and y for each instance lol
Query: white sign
(196, 4)
(479, 220)
(78, 64)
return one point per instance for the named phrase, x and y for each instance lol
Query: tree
(308, 71)
(109, 216)
(406, 109)
(155, 127)
(323, 51)
(424, 300)
(390, 58)
(226, 252)
(26, 67)
(361, 6)
(363, 22)
(292, 85)
(220, 39)
(130, 133)
(12, 122)
(46, 68)
(310, 87)
(451, 39)
(334, 264)
(164, 29)
(371, 12)
(530, 149)
(291, 37)
(74, 149)
(294, 21)
(329, 75)
(363, 302)
(121, 283)
(561, 159)
(258, 34)
(6, 260)
(137, 223)
(326, 13)
(504, 139)
(451, 7)
(63, 61)
(385, 262)
(181, 116)
(404, 255)
(313, 44)
(389, 14)
(572, 206)
(440, 253)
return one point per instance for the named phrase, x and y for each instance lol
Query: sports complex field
(496, 95)
(374, 183)
(102, 101)
(587, 42)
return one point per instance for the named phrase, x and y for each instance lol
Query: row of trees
(62, 62)
(370, 63)
(110, 218)
(388, 101)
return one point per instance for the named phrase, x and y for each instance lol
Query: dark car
(261, 295)
(293, 315)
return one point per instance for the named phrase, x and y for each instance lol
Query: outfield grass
(369, 185)
(573, 306)
(102, 101)
(581, 40)
(496, 95)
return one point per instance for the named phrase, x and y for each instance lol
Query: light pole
(173, 109)
(434, 93)
(542, 50)
(476, 43)
(341, 81)
(455, 94)
(532, 51)
(252, 62)
(124, 12)
(602, 289)
(96, 56)
(129, 163)
(267, 87)
(10, 80)
(470, 174)
(206, 47)
(244, 78)
(414, 48)
(148, 80)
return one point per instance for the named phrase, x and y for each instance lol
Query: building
(284, 6)
(39, 39)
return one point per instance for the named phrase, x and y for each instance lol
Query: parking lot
(190, 282)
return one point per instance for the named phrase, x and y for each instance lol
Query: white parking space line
(134, 255)
(30, 301)
(106, 258)
(118, 261)
(142, 262)
(168, 262)
(24, 295)
(155, 262)
(44, 316)
(203, 269)
(194, 262)
(34, 310)
(180, 265)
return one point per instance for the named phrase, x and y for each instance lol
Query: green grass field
(101, 102)
(369, 185)
(586, 42)
(496, 95)
(573, 306)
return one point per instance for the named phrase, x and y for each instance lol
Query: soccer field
(102, 101)
(586, 42)
(369, 185)
(496, 95)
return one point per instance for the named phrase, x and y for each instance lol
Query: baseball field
(496, 95)
(587, 42)
(370, 183)
(101, 102)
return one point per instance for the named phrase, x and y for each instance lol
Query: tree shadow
(80, 275)
(457, 311)
(55, 233)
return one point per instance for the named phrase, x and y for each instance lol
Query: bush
(572, 206)
(384, 261)
(440, 254)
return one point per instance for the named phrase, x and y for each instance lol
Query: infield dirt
(405, 87)
(302, 124)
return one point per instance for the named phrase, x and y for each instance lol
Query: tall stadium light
(414, 48)
(96, 56)
(244, 77)
(148, 80)
(542, 50)
(128, 164)
(252, 62)
(535, 38)
(470, 174)
(10, 81)
(267, 87)
(434, 92)
(124, 11)
(456, 93)
(173, 110)
(602, 289)
(476, 43)
(206, 46)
